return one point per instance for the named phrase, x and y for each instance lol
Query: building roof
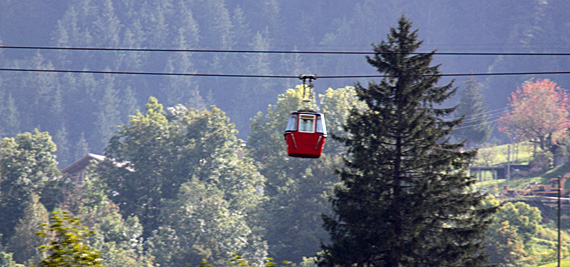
(82, 163)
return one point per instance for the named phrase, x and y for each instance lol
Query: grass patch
(489, 184)
(563, 263)
(558, 171)
(521, 153)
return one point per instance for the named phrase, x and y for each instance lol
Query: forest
(199, 166)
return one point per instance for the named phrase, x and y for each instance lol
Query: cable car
(305, 134)
(306, 131)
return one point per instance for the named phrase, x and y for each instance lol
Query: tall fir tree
(405, 197)
(475, 128)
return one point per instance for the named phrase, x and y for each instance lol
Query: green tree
(297, 189)
(27, 163)
(163, 151)
(522, 216)
(7, 261)
(253, 93)
(183, 89)
(67, 248)
(140, 146)
(119, 240)
(81, 148)
(108, 113)
(505, 247)
(405, 197)
(199, 224)
(11, 120)
(24, 243)
(475, 128)
(61, 138)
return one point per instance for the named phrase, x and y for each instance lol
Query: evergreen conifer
(405, 197)
(475, 127)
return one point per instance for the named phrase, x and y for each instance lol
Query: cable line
(482, 115)
(488, 112)
(451, 74)
(151, 73)
(491, 122)
(274, 51)
(272, 76)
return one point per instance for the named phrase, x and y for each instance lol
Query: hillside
(82, 111)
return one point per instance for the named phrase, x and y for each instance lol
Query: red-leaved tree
(539, 112)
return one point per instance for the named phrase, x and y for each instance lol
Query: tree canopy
(67, 248)
(405, 197)
(296, 188)
(539, 111)
(27, 164)
(154, 163)
(475, 127)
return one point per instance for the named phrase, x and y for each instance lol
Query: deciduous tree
(67, 248)
(539, 111)
(27, 163)
(296, 188)
(152, 161)
(505, 246)
(522, 216)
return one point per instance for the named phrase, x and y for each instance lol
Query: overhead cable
(490, 122)
(479, 115)
(272, 76)
(274, 51)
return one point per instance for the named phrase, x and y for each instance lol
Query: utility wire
(483, 118)
(272, 51)
(452, 74)
(272, 76)
(473, 122)
(150, 73)
(491, 122)
(482, 115)
(476, 123)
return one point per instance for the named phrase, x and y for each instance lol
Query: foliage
(405, 197)
(24, 242)
(336, 104)
(486, 157)
(297, 189)
(505, 246)
(511, 236)
(7, 261)
(81, 110)
(118, 240)
(53, 101)
(541, 161)
(27, 163)
(539, 112)
(152, 162)
(475, 127)
(545, 247)
(67, 247)
(200, 225)
(237, 260)
(524, 217)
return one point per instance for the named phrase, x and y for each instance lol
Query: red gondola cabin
(305, 134)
